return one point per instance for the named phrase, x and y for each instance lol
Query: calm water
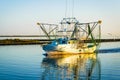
(27, 62)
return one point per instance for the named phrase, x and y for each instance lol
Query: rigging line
(72, 8)
(66, 8)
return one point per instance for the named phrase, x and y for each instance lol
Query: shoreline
(40, 41)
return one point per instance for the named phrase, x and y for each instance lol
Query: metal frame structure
(46, 28)
(72, 28)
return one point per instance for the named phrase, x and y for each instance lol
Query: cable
(72, 8)
(66, 8)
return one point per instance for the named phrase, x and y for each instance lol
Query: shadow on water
(71, 67)
(111, 50)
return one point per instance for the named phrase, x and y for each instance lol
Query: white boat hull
(70, 48)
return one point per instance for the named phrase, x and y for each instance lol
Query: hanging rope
(72, 8)
(69, 8)
(66, 8)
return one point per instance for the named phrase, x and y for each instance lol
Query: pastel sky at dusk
(19, 17)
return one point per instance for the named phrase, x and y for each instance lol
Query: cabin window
(63, 42)
(68, 42)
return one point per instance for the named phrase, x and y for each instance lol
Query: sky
(19, 17)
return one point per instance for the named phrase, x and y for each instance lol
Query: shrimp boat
(71, 36)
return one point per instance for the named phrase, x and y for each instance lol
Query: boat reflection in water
(71, 67)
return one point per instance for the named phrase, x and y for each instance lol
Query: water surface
(27, 62)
